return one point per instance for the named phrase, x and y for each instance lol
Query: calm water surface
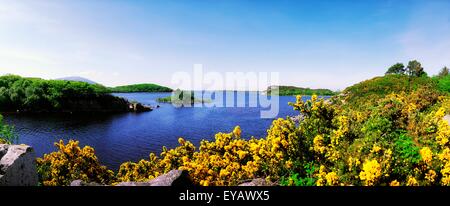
(118, 138)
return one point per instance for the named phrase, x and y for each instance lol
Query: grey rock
(17, 166)
(82, 183)
(447, 118)
(134, 184)
(138, 107)
(77, 183)
(172, 178)
(258, 182)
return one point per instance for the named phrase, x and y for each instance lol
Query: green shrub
(295, 180)
(407, 149)
(444, 83)
(7, 134)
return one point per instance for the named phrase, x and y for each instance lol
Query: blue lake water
(118, 138)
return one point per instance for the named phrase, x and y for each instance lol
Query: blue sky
(329, 44)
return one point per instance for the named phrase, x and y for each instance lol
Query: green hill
(379, 87)
(291, 90)
(140, 88)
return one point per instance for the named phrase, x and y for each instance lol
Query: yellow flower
(426, 154)
(375, 149)
(288, 164)
(242, 154)
(298, 98)
(430, 176)
(445, 155)
(353, 162)
(185, 159)
(394, 183)
(332, 178)
(318, 144)
(204, 182)
(237, 131)
(411, 107)
(320, 176)
(223, 173)
(388, 153)
(443, 130)
(411, 181)
(371, 172)
(181, 141)
(445, 171)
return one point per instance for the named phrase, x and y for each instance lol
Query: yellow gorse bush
(371, 172)
(71, 162)
(226, 161)
(426, 154)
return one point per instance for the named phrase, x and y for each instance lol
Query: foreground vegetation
(387, 131)
(291, 91)
(140, 88)
(18, 94)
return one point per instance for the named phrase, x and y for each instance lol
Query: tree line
(18, 94)
(414, 68)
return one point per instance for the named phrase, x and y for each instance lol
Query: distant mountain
(77, 79)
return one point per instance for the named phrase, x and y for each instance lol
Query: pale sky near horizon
(319, 44)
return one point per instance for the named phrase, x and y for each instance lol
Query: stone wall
(17, 166)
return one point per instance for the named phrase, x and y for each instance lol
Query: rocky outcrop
(82, 183)
(177, 178)
(17, 166)
(138, 107)
(258, 182)
(172, 178)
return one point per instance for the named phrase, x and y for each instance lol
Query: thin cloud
(427, 37)
(20, 55)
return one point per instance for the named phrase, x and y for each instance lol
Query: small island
(182, 98)
(291, 90)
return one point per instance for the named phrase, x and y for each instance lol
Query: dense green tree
(444, 72)
(398, 68)
(141, 88)
(415, 69)
(39, 95)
